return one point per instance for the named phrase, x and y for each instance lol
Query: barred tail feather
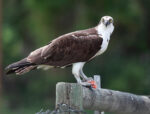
(20, 67)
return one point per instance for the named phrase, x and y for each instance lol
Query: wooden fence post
(97, 79)
(70, 94)
(78, 98)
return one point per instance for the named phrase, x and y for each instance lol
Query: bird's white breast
(103, 47)
(105, 34)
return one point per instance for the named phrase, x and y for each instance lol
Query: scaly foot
(93, 84)
(89, 84)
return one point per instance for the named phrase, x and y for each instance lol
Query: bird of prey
(75, 48)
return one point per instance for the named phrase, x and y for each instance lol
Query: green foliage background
(30, 24)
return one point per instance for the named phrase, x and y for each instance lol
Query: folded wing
(79, 46)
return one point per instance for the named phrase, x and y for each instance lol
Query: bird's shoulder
(87, 35)
(80, 33)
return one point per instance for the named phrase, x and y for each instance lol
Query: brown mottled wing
(67, 49)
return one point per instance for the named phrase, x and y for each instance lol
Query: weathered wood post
(70, 94)
(79, 97)
(97, 79)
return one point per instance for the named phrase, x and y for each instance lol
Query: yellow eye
(110, 21)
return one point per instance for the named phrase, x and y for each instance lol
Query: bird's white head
(105, 26)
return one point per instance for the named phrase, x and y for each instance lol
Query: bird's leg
(87, 84)
(85, 78)
(77, 72)
(88, 80)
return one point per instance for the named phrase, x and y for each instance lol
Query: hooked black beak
(107, 23)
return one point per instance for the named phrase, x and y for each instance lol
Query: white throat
(104, 31)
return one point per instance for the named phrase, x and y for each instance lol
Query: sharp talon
(93, 84)
(89, 87)
(89, 84)
(86, 84)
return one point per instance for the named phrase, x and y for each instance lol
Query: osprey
(75, 48)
